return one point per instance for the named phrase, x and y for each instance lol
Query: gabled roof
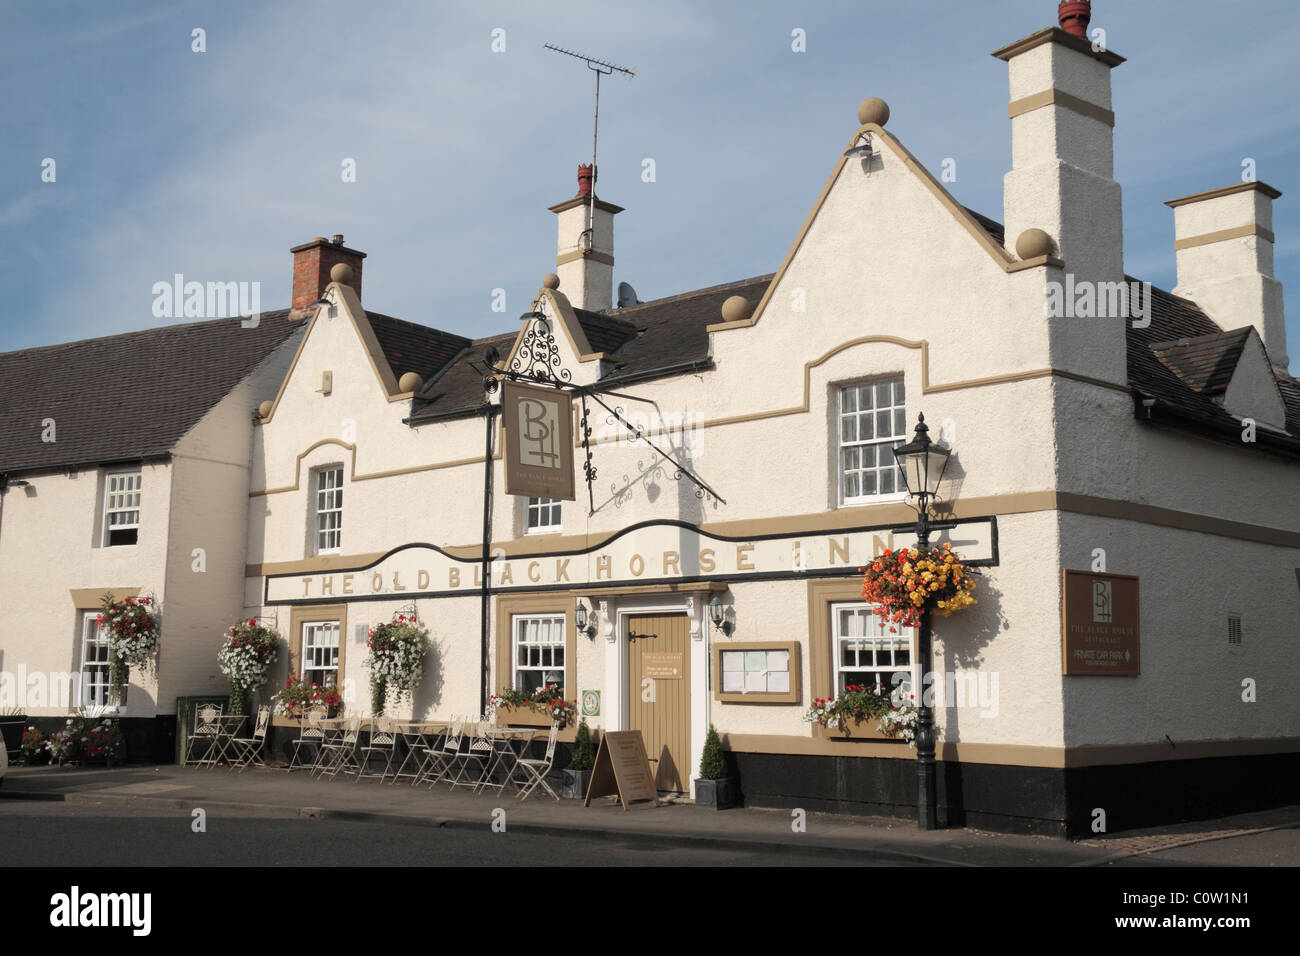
(646, 339)
(125, 397)
(1184, 361)
(409, 347)
(1205, 363)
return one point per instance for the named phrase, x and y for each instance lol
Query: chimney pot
(586, 176)
(1074, 16)
(338, 239)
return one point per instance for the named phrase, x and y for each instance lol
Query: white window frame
(323, 514)
(307, 660)
(874, 630)
(517, 627)
(885, 445)
(95, 675)
(539, 510)
(108, 510)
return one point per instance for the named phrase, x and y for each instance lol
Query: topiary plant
(584, 754)
(713, 762)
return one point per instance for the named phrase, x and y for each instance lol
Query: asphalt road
(78, 835)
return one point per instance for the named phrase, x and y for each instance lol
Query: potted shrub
(246, 658)
(578, 774)
(714, 787)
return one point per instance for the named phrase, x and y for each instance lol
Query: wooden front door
(659, 694)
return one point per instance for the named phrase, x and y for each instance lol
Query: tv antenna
(600, 68)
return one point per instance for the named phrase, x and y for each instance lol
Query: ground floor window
(320, 653)
(866, 652)
(538, 651)
(95, 678)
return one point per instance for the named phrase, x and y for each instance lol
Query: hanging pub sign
(539, 441)
(1100, 623)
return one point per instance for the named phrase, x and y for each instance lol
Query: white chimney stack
(584, 258)
(1062, 147)
(1223, 242)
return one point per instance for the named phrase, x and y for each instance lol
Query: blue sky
(214, 164)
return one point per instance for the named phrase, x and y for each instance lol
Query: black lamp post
(922, 465)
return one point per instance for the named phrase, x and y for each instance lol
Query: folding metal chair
(383, 741)
(535, 771)
(310, 734)
(246, 751)
(440, 760)
(340, 754)
(207, 729)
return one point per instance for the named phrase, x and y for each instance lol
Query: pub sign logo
(1100, 623)
(539, 441)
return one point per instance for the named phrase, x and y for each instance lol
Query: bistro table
(228, 726)
(505, 753)
(416, 736)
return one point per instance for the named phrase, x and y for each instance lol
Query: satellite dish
(627, 296)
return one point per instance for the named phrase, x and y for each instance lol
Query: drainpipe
(486, 592)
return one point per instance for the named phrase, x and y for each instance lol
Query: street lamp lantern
(922, 464)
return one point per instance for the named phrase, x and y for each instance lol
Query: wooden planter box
(523, 717)
(868, 729)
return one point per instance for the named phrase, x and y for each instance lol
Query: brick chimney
(312, 262)
(1223, 242)
(584, 260)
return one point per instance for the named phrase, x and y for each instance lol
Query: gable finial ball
(342, 272)
(1033, 243)
(264, 410)
(550, 281)
(874, 110)
(736, 309)
(409, 382)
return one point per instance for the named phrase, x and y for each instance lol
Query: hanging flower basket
(131, 626)
(395, 659)
(903, 583)
(246, 658)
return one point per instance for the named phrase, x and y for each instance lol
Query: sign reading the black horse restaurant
(539, 441)
(1100, 620)
(649, 553)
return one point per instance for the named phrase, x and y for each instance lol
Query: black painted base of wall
(148, 740)
(1034, 800)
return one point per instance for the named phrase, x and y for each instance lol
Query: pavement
(276, 793)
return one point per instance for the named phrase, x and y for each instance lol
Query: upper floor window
(543, 515)
(872, 422)
(121, 508)
(329, 509)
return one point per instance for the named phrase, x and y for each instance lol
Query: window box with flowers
(863, 712)
(297, 696)
(538, 709)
